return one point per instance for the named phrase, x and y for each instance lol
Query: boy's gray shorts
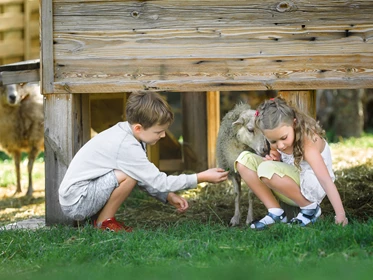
(94, 199)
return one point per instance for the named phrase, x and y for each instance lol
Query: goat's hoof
(249, 220)
(235, 221)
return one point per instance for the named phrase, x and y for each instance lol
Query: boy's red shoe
(112, 224)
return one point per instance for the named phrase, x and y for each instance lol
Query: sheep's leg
(17, 163)
(236, 180)
(31, 159)
(250, 214)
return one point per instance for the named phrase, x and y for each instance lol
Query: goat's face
(10, 95)
(248, 134)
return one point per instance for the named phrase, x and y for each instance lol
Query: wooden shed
(199, 48)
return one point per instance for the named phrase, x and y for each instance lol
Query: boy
(106, 169)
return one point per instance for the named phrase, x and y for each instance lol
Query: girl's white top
(309, 184)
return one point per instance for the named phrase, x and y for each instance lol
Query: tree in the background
(341, 112)
(349, 113)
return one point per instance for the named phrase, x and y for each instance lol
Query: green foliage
(6, 157)
(365, 141)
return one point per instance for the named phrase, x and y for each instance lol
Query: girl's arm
(313, 156)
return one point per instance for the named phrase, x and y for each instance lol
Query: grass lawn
(197, 244)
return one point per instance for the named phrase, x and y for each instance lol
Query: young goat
(21, 125)
(237, 133)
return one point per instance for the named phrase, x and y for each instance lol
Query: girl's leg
(287, 187)
(117, 197)
(263, 192)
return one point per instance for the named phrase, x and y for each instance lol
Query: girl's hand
(273, 155)
(341, 219)
(180, 203)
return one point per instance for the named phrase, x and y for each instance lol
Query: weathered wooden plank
(159, 14)
(46, 48)
(15, 77)
(116, 46)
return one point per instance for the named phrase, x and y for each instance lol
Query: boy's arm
(212, 175)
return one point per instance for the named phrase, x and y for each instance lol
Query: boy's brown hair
(148, 109)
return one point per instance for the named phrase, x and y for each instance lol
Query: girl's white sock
(310, 206)
(267, 220)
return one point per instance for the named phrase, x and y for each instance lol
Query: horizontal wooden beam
(173, 45)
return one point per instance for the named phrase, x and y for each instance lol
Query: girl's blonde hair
(276, 111)
(148, 109)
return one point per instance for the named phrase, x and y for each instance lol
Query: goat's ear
(239, 121)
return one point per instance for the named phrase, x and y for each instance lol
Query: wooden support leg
(213, 124)
(66, 129)
(194, 130)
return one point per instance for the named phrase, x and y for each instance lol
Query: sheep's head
(248, 134)
(10, 95)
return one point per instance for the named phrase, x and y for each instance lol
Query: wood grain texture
(117, 46)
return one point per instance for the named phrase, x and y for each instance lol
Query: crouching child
(105, 170)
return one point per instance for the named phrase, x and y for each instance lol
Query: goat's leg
(17, 163)
(237, 195)
(250, 214)
(31, 159)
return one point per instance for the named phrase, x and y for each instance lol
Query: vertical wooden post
(194, 130)
(46, 48)
(213, 124)
(305, 100)
(66, 129)
(26, 28)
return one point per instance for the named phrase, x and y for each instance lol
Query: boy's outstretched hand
(213, 175)
(180, 203)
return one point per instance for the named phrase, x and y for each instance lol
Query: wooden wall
(19, 30)
(202, 45)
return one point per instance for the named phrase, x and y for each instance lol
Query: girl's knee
(240, 167)
(265, 180)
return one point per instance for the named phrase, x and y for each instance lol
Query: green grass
(198, 250)
(365, 141)
(197, 244)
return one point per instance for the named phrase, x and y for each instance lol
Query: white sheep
(21, 125)
(237, 133)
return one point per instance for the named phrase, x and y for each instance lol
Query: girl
(298, 169)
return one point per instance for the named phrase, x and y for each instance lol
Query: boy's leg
(117, 197)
